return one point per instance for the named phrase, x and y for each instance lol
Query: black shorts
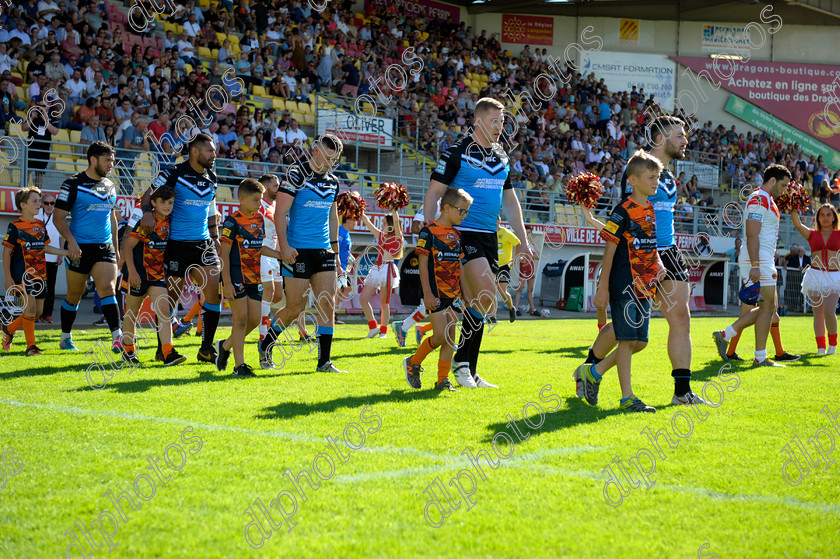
(181, 255)
(32, 286)
(92, 253)
(504, 274)
(144, 287)
(251, 290)
(445, 303)
(481, 245)
(309, 261)
(674, 264)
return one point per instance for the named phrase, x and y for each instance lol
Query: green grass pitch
(720, 492)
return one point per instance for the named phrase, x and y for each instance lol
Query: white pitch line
(276, 434)
(520, 462)
(513, 462)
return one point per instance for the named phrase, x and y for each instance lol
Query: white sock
(175, 320)
(761, 355)
(116, 334)
(821, 351)
(265, 308)
(415, 317)
(729, 333)
(832, 349)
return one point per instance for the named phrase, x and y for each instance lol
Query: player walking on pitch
(668, 141)
(193, 245)
(308, 245)
(89, 198)
(478, 164)
(758, 266)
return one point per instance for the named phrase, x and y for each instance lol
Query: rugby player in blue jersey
(478, 164)
(193, 245)
(90, 198)
(308, 245)
(668, 142)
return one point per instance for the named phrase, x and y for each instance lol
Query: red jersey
(245, 235)
(27, 240)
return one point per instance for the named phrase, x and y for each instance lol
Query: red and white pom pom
(794, 198)
(585, 189)
(351, 205)
(391, 196)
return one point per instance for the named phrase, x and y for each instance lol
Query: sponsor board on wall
(725, 39)
(628, 32)
(428, 9)
(368, 132)
(763, 120)
(527, 30)
(621, 71)
(802, 95)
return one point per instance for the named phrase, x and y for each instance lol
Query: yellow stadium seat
(214, 54)
(75, 136)
(298, 117)
(189, 69)
(308, 109)
(204, 52)
(234, 39)
(15, 130)
(221, 37)
(259, 90)
(308, 119)
(204, 3)
(23, 94)
(292, 106)
(178, 30)
(278, 103)
(60, 142)
(167, 26)
(65, 166)
(234, 49)
(475, 90)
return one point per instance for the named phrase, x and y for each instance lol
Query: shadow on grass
(40, 371)
(288, 410)
(572, 352)
(144, 385)
(578, 413)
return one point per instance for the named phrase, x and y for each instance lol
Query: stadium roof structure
(798, 12)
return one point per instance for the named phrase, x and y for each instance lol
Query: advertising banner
(527, 30)
(725, 39)
(803, 95)
(422, 8)
(622, 70)
(368, 132)
(765, 121)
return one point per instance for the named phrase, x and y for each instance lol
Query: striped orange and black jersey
(245, 235)
(27, 240)
(443, 246)
(148, 256)
(633, 228)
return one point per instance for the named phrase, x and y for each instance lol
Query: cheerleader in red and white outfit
(384, 275)
(821, 282)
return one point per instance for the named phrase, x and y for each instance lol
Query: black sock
(324, 348)
(475, 347)
(68, 316)
(160, 344)
(210, 322)
(111, 312)
(270, 338)
(468, 327)
(592, 359)
(682, 380)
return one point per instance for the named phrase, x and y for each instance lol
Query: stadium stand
(290, 57)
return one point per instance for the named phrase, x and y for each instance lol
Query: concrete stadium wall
(791, 43)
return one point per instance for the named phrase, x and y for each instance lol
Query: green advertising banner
(765, 121)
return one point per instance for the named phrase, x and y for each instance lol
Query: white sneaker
(832, 349)
(481, 383)
(821, 351)
(373, 333)
(383, 335)
(461, 372)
